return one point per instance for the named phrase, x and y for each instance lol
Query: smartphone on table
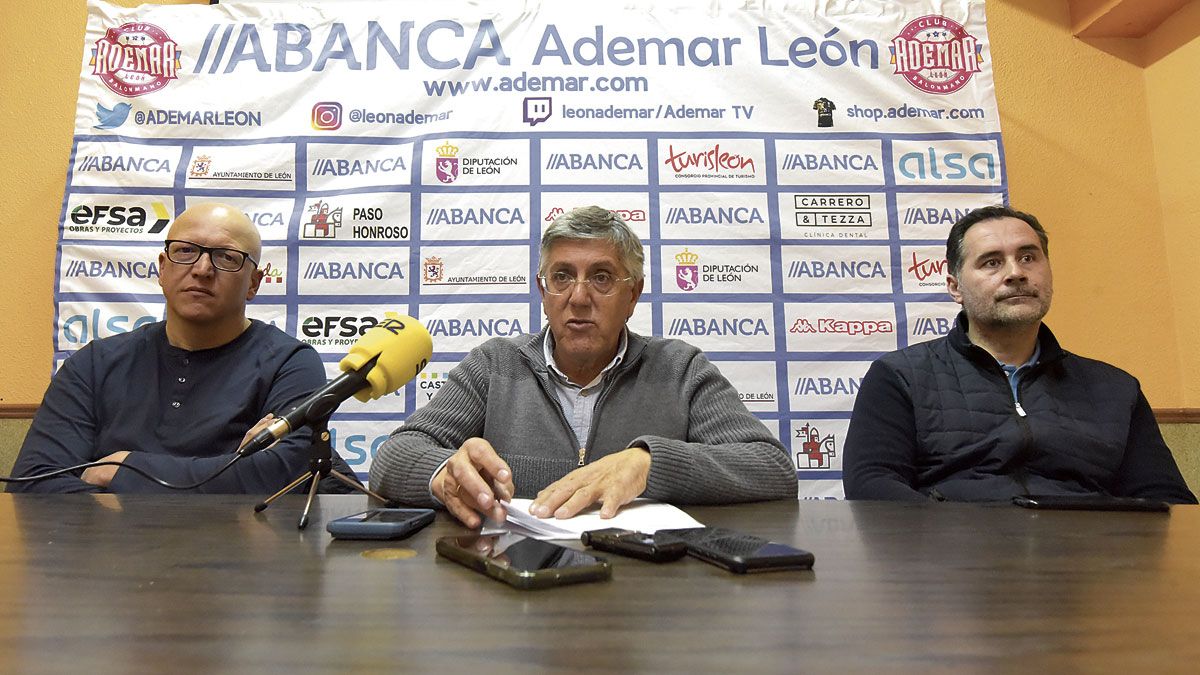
(522, 562)
(737, 551)
(1090, 503)
(380, 524)
(634, 544)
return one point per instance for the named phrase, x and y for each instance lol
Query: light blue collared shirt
(578, 402)
(1015, 373)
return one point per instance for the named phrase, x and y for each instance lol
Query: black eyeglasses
(225, 259)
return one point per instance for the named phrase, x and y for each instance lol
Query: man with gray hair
(586, 411)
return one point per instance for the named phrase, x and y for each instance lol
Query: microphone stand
(320, 464)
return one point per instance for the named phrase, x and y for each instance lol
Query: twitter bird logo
(111, 119)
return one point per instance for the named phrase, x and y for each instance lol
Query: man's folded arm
(261, 473)
(404, 465)
(1149, 469)
(880, 452)
(63, 432)
(729, 455)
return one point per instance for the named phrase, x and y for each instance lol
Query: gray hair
(594, 222)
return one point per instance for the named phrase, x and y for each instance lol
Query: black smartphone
(522, 562)
(380, 524)
(1090, 503)
(634, 544)
(737, 551)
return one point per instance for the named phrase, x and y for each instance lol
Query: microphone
(384, 358)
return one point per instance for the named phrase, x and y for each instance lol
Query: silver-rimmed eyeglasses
(600, 283)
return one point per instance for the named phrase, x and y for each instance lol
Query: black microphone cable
(140, 472)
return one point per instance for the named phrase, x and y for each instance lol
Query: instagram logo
(327, 116)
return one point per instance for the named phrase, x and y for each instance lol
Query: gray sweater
(705, 446)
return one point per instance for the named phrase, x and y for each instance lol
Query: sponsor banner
(829, 215)
(243, 167)
(276, 315)
(357, 441)
(722, 327)
(269, 214)
(924, 268)
(755, 383)
(693, 161)
(370, 216)
(959, 162)
(483, 215)
(473, 162)
(462, 327)
(704, 215)
(816, 444)
(716, 269)
(824, 386)
(81, 322)
(332, 329)
(108, 269)
(931, 215)
(594, 162)
(633, 207)
(333, 166)
(124, 165)
(642, 321)
(392, 403)
(825, 162)
(273, 265)
(430, 380)
(118, 217)
(836, 269)
(929, 320)
(833, 327)
(821, 489)
(450, 270)
(354, 270)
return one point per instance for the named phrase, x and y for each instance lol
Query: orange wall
(1082, 125)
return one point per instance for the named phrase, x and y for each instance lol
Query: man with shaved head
(176, 398)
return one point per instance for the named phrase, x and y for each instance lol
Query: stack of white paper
(640, 515)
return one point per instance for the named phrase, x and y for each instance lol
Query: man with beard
(996, 409)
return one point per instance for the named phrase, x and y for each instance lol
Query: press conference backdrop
(793, 173)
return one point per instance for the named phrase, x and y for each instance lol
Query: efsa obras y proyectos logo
(135, 59)
(936, 54)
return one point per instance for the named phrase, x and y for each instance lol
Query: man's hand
(614, 481)
(101, 476)
(258, 426)
(473, 482)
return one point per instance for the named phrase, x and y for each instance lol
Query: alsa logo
(950, 166)
(135, 59)
(336, 271)
(936, 54)
(628, 215)
(815, 450)
(119, 216)
(599, 161)
(337, 326)
(842, 326)
(82, 328)
(713, 160)
(474, 327)
(697, 327)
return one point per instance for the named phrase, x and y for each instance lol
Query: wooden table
(197, 583)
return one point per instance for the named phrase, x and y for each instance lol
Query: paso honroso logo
(135, 59)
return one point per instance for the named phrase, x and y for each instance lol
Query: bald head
(215, 224)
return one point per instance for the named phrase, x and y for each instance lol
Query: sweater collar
(533, 350)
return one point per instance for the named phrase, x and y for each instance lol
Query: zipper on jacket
(582, 457)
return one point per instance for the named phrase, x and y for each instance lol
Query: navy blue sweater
(937, 420)
(181, 414)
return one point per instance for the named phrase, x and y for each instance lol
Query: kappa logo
(815, 451)
(135, 59)
(628, 215)
(687, 272)
(842, 326)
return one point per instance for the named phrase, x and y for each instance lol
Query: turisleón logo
(936, 54)
(135, 59)
(711, 162)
